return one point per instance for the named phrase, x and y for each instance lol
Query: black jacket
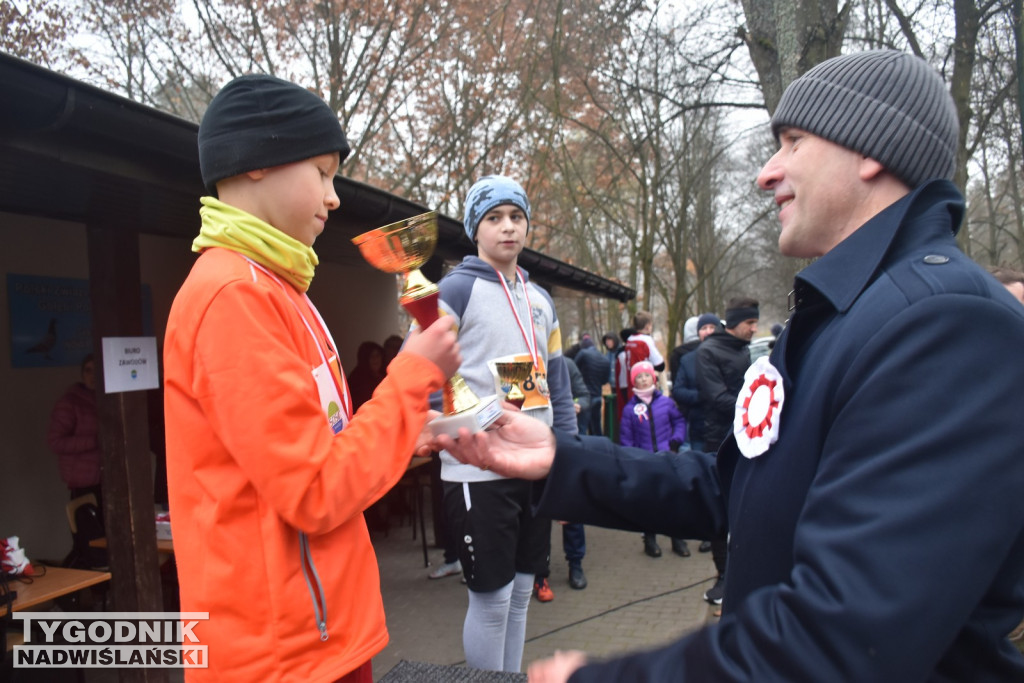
(594, 368)
(687, 396)
(721, 361)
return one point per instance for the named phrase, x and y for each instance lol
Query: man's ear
(869, 168)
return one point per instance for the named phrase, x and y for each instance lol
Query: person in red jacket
(269, 468)
(73, 435)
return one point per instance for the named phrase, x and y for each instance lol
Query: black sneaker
(704, 547)
(577, 579)
(715, 593)
(651, 546)
(680, 548)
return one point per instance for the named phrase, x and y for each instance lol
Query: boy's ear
(257, 174)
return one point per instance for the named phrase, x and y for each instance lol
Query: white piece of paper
(130, 364)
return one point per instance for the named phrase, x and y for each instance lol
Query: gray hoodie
(472, 293)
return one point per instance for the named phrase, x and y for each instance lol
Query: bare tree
(1017, 14)
(640, 163)
(787, 37)
(364, 58)
(37, 32)
(957, 57)
(995, 216)
(616, 115)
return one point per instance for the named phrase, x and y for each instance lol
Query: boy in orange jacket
(268, 469)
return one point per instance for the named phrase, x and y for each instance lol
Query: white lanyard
(346, 400)
(531, 339)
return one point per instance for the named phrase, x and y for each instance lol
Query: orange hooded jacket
(255, 473)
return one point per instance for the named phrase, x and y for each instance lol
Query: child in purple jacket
(652, 421)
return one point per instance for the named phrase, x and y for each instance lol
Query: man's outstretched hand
(557, 668)
(514, 446)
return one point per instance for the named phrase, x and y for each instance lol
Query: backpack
(636, 350)
(90, 526)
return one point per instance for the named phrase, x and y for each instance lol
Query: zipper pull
(323, 630)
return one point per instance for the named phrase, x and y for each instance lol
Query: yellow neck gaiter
(234, 229)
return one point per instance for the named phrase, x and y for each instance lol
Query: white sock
(515, 634)
(484, 632)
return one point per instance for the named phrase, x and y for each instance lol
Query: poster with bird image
(51, 320)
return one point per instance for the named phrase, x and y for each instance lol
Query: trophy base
(476, 419)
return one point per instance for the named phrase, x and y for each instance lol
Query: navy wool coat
(882, 537)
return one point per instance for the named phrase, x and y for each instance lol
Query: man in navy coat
(872, 483)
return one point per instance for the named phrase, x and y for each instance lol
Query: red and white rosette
(758, 408)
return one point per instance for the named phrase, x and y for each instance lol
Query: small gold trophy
(511, 374)
(403, 247)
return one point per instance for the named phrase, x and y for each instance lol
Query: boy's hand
(438, 344)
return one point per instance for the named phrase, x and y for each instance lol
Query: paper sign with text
(130, 364)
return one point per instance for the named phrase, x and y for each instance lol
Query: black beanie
(259, 121)
(708, 319)
(890, 106)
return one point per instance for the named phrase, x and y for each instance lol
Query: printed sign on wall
(51, 320)
(130, 364)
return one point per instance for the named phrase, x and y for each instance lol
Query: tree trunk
(785, 38)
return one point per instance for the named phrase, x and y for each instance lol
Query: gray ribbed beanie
(887, 105)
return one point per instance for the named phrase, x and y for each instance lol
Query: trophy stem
(420, 299)
(417, 284)
(457, 397)
(515, 396)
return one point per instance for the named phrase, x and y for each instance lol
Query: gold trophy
(512, 374)
(403, 247)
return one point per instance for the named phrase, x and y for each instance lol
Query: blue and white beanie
(489, 192)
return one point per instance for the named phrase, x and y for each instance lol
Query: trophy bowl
(512, 374)
(400, 247)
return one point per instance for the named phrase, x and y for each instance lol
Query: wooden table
(57, 581)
